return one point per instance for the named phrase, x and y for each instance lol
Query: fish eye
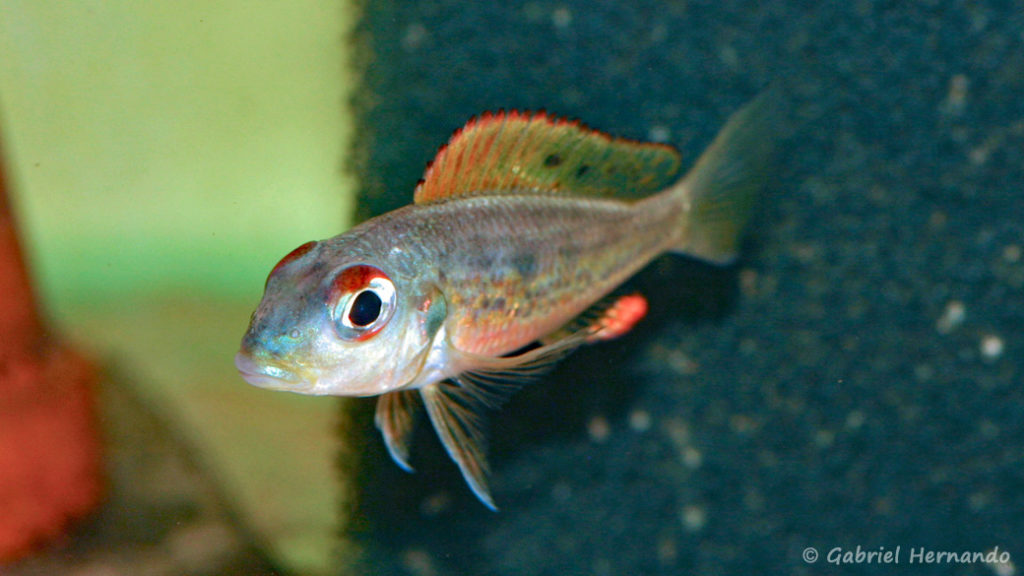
(365, 309)
(361, 301)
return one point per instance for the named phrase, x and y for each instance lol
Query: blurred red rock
(50, 450)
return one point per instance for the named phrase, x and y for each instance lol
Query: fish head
(338, 322)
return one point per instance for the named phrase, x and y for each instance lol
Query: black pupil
(365, 309)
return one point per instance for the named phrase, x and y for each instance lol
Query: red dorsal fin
(514, 152)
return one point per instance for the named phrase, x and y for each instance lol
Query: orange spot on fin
(619, 318)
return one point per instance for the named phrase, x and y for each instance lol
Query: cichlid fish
(522, 226)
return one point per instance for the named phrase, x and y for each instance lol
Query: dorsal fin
(535, 153)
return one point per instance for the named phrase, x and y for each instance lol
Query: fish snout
(264, 375)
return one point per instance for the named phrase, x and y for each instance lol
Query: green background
(162, 156)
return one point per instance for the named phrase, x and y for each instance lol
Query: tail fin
(721, 187)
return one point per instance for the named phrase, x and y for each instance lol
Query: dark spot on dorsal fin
(536, 153)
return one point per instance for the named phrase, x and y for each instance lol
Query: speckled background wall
(854, 380)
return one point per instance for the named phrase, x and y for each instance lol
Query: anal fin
(623, 314)
(608, 319)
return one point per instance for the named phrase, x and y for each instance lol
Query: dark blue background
(825, 406)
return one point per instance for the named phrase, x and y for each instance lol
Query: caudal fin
(721, 187)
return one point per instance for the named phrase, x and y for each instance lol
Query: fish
(522, 230)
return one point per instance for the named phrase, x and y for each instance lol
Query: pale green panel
(164, 155)
(181, 143)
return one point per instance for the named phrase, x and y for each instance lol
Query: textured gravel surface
(854, 381)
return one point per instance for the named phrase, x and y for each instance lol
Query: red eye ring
(361, 301)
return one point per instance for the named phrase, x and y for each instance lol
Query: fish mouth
(266, 376)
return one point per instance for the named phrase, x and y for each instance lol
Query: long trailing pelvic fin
(395, 418)
(456, 408)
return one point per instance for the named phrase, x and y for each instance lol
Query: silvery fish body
(522, 227)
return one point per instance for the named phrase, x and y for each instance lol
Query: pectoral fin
(494, 379)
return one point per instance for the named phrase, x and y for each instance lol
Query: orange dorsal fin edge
(534, 153)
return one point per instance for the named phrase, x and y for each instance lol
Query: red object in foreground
(50, 452)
